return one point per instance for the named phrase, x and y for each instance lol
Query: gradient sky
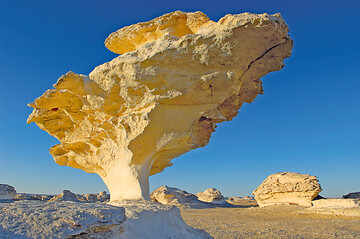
(307, 121)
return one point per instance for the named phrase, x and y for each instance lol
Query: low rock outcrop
(122, 220)
(91, 197)
(289, 188)
(36, 219)
(66, 195)
(337, 207)
(7, 192)
(211, 195)
(103, 196)
(171, 195)
(353, 195)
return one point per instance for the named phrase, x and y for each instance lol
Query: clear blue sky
(307, 121)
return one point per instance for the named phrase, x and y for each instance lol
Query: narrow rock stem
(127, 182)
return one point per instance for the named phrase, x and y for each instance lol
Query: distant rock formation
(289, 188)
(25, 196)
(66, 195)
(91, 197)
(211, 195)
(353, 195)
(236, 199)
(179, 76)
(7, 192)
(103, 196)
(171, 195)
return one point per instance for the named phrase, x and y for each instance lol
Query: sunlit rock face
(180, 75)
(211, 195)
(287, 188)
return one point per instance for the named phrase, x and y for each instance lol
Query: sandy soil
(271, 222)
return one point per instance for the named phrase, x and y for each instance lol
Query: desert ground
(286, 221)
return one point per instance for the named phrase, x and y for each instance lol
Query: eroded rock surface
(211, 195)
(7, 192)
(148, 220)
(66, 195)
(170, 195)
(36, 219)
(179, 76)
(289, 188)
(342, 207)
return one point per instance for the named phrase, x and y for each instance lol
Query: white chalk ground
(150, 220)
(129, 220)
(36, 219)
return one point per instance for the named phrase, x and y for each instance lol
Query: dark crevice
(261, 57)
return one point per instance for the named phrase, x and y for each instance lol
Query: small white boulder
(211, 195)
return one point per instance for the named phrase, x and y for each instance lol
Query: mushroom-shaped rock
(211, 195)
(353, 195)
(171, 195)
(181, 74)
(287, 188)
(7, 192)
(66, 195)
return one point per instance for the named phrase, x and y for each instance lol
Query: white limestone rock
(179, 76)
(211, 195)
(288, 188)
(353, 195)
(7, 192)
(122, 220)
(66, 195)
(50, 220)
(337, 207)
(180, 198)
(149, 220)
(103, 196)
(91, 197)
(170, 195)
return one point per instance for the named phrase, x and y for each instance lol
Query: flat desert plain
(283, 221)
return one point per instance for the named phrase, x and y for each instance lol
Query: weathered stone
(103, 196)
(91, 197)
(7, 192)
(211, 195)
(122, 220)
(337, 207)
(171, 195)
(36, 219)
(289, 188)
(66, 195)
(180, 75)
